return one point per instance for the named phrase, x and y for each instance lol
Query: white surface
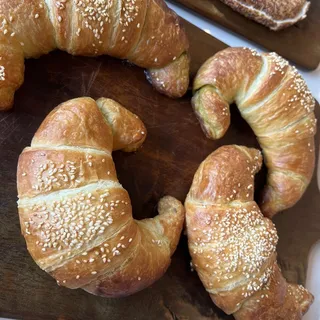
(313, 80)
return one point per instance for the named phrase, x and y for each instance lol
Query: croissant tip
(169, 204)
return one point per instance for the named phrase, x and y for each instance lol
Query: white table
(313, 80)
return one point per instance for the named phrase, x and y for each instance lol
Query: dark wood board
(299, 43)
(165, 164)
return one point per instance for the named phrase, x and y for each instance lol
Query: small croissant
(75, 215)
(277, 104)
(233, 246)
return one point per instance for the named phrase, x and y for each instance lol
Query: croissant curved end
(212, 112)
(173, 79)
(171, 217)
(281, 192)
(159, 238)
(129, 132)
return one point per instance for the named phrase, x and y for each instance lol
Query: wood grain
(165, 164)
(299, 43)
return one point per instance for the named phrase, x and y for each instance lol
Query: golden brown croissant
(275, 101)
(146, 32)
(275, 14)
(74, 214)
(233, 246)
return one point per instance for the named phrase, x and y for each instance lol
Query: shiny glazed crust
(233, 247)
(275, 14)
(75, 215)
(275, 101)
(146, 32)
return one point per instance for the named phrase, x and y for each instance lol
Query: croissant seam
(97, 185)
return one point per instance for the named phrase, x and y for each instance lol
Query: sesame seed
(77, 277)
(36, 16)
(94, 272)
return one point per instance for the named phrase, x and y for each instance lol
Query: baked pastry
(275, 101)
(275, 14)
(146, 32)
(75, 215)
(233, 247)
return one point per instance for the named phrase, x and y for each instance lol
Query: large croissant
(74, 214)
(146, 32)
(275, 14)
(233, 247)
(275, 101)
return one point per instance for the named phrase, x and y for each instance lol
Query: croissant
(275, 101)
(275, 14)
(233, 246)
(146, 32)
(75, 215)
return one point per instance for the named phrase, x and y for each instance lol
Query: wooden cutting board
(299, 43)
(165, 164)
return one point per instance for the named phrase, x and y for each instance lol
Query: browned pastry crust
(146, 32)
(74, 214)
(233, 247)
(275, 14)
(275, 101)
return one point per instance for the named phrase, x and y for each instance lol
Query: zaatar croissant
(233, 247)
(275, 14)
(146, 32)
(74, 214)
(275, 101)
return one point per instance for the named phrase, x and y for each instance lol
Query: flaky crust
(233, 246)
(146, 32)
(75, 215)
(274, 14)
(275, 101)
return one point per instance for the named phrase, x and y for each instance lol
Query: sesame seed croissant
(233, 246)
(75, 215)
(146, 32)
(275, 101)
